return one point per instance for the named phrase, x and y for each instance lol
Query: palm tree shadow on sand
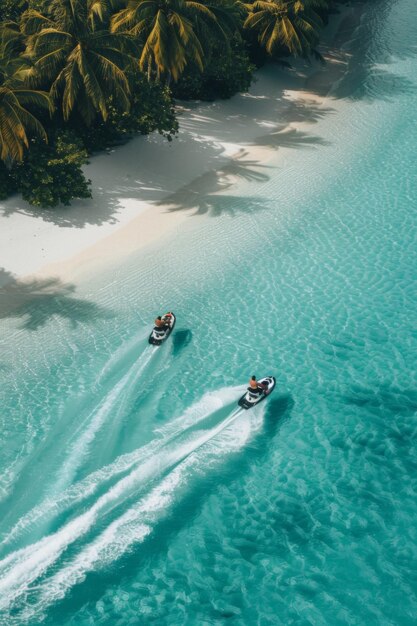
(306, 110)
(38, 300)
(203, 193)
(290, 138)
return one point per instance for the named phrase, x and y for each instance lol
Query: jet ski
(251, 398)
(158, 335)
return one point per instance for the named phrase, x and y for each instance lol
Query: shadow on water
(95, 584)
(363, 77)
(36, 301)
(278, 410)
(378, 84)
(386, 433)
(216, 205)
(180, 340)
(383, 399)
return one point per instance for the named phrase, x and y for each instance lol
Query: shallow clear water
(134, 492)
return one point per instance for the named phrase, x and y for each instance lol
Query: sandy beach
(146, 189)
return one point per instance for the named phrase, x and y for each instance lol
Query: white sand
(136, 186)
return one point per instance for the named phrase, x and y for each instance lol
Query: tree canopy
(79, 75)
(293, 25)
(77, 57)
(17, 105)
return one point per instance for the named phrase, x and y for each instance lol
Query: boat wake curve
(110, 406)
(86, 488)
(21, 568)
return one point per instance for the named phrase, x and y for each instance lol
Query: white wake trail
(95, 420)
(51, 506)
(138, 522)
(132, 345)
(22, 567)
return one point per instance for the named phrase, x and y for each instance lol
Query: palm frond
(15, 122)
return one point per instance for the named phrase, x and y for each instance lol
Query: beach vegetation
(77, 76)
(11, 9)
(286, 27)
(7, 183)
(228, 71)
(19, 105)
(51, 173)
(77, 58)
(174, 33)
(151, 108)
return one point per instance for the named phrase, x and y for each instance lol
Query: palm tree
(290, 24)
(17, 123)
(12, 40)
(76, 55)
(173, 33)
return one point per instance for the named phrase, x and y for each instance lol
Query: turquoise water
(134, 492)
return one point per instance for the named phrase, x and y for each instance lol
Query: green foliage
(7, 182)
(227, 73)
(206, 49)
(51, 174)
(78, 58)
(287, 26)
(11, 9)
(38, 5)
(151, 108)
(18, 103)
(175, 33)
(257, 55)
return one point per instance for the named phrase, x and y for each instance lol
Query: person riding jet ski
(256, 387)
(163, 322)
(257, 391)
(163, 327)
